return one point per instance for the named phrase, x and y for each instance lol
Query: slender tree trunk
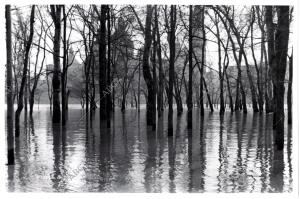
(63, 75)
(139, 86)
(189, 100)
(36, 76)
(264, 58)
(202, 63)
(27, 49)
(56, 16)
(160, 70)
(208, 96)
(9, 91)
(229, 93)
(123, 103)
(108, 83)
(205, 86)
(92, 102)
(171, 69)
(154, 73)
(26, 89)
(221, 78)
(260, 95)
(290, 86)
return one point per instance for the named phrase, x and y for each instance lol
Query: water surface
(233, 153)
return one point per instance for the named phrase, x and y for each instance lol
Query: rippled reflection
(230, 153)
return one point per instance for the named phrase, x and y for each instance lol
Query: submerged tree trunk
(146, 69)
(56, 17)
(278, 60)
(108, 80)
(160, 70)
(281, 46)
(271, 52)
(264, 61)
(154, 49)
(221, 78)
(36, 77)
(289, 93)
(208, 97)
(171, 69)
(102, 63)
(189, 100)
(9, 91)
(202, 63)
(22, 87)
(229, 93)
(92, 101)
(63, 75)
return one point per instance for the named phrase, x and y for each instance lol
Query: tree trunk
(63, 75)
(277, 50)
(154, 73)
(92, 102)
(171, 69)
(102, 63)
(271, 53)
(26, 89)
(160, 70)
(189, 100)
(205, 86)
(202, 63)
(146, 69)
(267, 89)
(36, 76)
(123, 103)
(222, 108)
(27, 49)
(108, 82)
(56, 16)
(260, 95)
(208, 97)
(229, 93)
(281, 48)
(9, 91)
(290, 86)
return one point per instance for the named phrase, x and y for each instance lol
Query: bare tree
(278, 48)
(171, 69)
(9, 90)
(25, 69)
(56, 17)
(160, 69)
(151, 118)
(38, 73)
(189, 100)
(290, 86)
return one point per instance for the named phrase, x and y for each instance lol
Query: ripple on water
(231, 154)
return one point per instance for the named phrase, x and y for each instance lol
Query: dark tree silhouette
(24, 75)
(9, 90)
(56, 17)
(189, 100)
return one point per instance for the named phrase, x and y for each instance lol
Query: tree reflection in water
(230, 153)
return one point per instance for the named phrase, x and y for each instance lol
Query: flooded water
(229, 154)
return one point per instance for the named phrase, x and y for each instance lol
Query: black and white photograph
(149, 98)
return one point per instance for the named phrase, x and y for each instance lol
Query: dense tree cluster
(149, 55)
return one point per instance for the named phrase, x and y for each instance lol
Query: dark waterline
(229, 154)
